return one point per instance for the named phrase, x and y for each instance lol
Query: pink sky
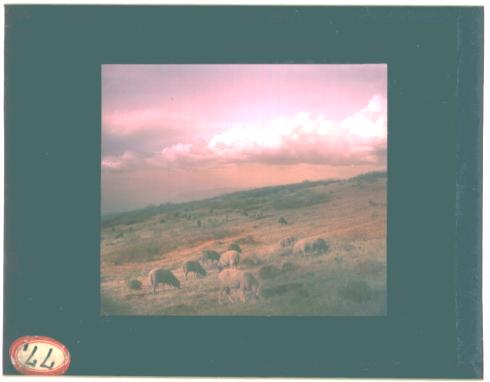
(183, 132)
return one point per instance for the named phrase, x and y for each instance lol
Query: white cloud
(304, 138)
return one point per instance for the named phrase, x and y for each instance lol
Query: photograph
(244, 189)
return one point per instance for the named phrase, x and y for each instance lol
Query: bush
(134, 284)
(250, 261)
(288, 267)
(320, 246)
(287, 242)
(234, 247)
(282, 221)
(268, 272)
(247, 240)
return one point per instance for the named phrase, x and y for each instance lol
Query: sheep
(229, 259)
(238, 279)
(311, 247)
(195, 267)
(162, 276)
(208, 255)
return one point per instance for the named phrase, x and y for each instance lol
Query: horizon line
(151, 205)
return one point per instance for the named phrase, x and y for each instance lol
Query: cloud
(359, 139)
(121, 162)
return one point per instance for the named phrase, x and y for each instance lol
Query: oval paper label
(38, 355)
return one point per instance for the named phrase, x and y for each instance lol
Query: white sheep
(229, 259)
(238, 279)
(311, 247)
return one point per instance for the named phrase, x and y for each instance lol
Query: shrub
(268, 272)
(282, 221)
(288, 267)
(287, 241)
(134, 284)
(234, 247)
(250, 261)
(246, 240)
(320, 246)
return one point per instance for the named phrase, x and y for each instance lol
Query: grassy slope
(349, 280)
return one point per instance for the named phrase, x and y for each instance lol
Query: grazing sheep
(234, 247)
(311, 247)
(238, 279)
(195, 267)
(162, 276)
(208, 255)
(229, 259)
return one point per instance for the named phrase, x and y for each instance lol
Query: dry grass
(350, 279)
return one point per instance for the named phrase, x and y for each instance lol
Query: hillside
(349, 279)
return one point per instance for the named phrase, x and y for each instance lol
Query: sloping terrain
(348, 279)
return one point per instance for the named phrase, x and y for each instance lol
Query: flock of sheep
(230, 278)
